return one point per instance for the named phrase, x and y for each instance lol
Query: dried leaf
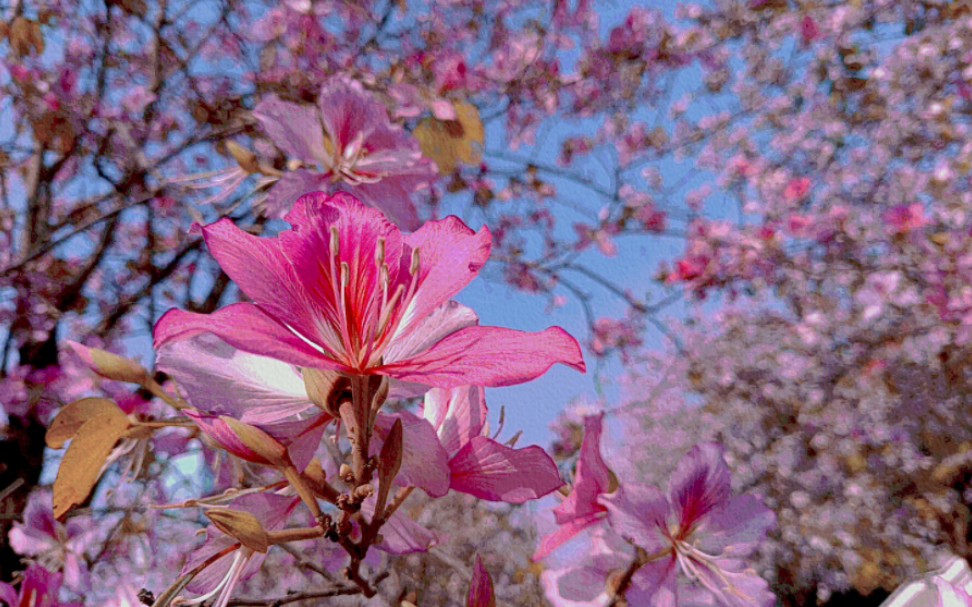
(241, 526)
(81, 467)
(451, 142)
(389, 462)
(67, 423)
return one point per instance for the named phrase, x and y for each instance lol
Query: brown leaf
(241, 526)
(70, 419)
(81, 467)
(451, 142)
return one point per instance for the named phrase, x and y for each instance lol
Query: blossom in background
(39, 588)
(481, 587)
(582, 508)
(698, 528)
(54, 545)
(345, 290)
(345, 143)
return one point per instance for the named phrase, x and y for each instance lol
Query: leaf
(81, 468)
(451, 142)
(67, 423)
(242, 526)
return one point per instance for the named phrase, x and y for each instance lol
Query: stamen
(202, 599)
(380, 254)
(415, 262)
(335, 242)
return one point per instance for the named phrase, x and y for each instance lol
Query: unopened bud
(346, 474)
(241, 526)
(327, 389)
(363, 492)
(258, 441)
(243, 157)
(110, 366)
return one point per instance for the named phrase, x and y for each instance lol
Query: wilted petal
(491, 471)
(490, 356)
(295, 129)
(425, 464)
(699, 484)
(458, 415)
(244, 326)
(221, 380)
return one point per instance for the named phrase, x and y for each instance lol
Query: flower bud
(110, 366)
(241, 526)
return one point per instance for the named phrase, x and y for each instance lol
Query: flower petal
(741, 523)
(425, 464)
(489, 356)
(247, 327)
(492, 471)
(450, 256)
(735, 584)
(563, 534)
(221, 380)
(288, 189)
(639, 514)
(655, 584)
(458, 415)
(295, 129)
(439, 324)
(699, 484)
(593, 477)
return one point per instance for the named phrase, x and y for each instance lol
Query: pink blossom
(57, 546)
(797, 189)
(345, 290)
(479, 465)
(582, 508)
(39, 588)
(346, 143)
(698, 528)
(906, 218)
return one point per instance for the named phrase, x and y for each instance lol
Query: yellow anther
(415, 262)
(335, 242)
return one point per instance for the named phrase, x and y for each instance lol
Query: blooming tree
(278, 197)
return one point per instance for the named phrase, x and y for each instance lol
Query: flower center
(344, 163)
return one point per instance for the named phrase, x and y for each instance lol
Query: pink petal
(742, 522)
(489, 356)
(40, 587)
(400, 534)
(439, 324)
(8, 595)
(221, 380)
(347, 109)
(458, 415)
(655, 584)
(481, 587)
(491, 471)
(425, 464)
(262, 270)
(288, 189)
(247, 327)
(593, 477)
(450, 256)
(218, 430)
(302, 437)
(699, 484)
(735, 584)
(639, 514)
(392, 196)
(563, 534)
(295, 129)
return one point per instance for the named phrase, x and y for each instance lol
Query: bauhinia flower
(54, 545)
(346, 291)
(582, 508)
(39, 588)
(479, 465)
(346, 143)
(698, 528)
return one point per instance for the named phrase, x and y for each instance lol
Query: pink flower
(38, 589)
(797, 189)
(235, 562)
(346, 291)
(346, 143)
(224, 383)
(582, 508)
(698, 528)
(905, 218)
(55, 545)
(479, 465)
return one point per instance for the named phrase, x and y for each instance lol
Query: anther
(415, 262)
(380, 253)
(335, 242)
